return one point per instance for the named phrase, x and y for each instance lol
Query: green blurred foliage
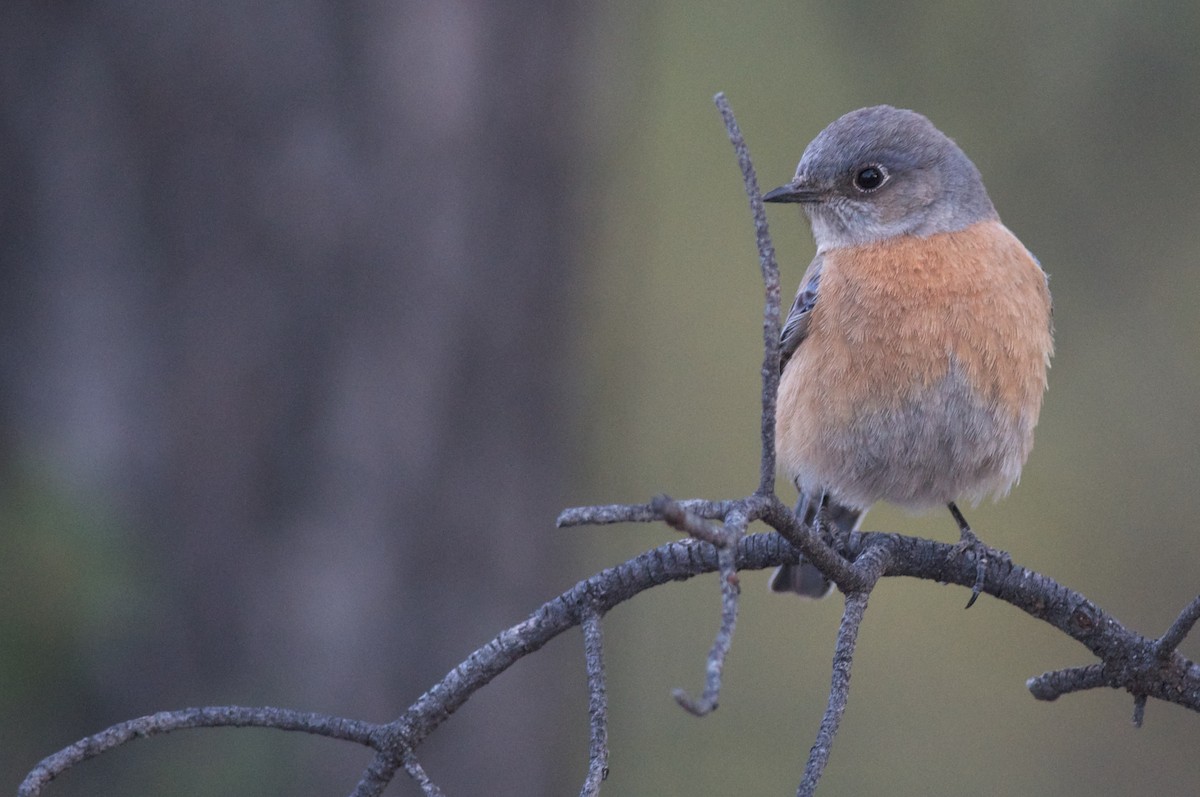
(55, 582)
(76, 591)
(1082, 118)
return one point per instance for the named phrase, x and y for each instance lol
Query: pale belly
(930, 446)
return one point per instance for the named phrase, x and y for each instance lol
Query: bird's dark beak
(792, 193)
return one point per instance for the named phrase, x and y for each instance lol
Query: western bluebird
(914, 357)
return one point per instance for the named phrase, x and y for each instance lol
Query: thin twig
(1179, 629)
(1139, 710)
(593, 648)
(207, 717)
(735, 526)
(1053, 685)
(832, 564)
(771, 305)
(1140, 666)
(872, 564)
(677, 516)
(378, 774)
(839, 692)
(414, 769)
(639, 513)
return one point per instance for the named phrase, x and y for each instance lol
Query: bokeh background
(313, 315)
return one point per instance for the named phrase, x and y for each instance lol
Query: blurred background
(314, 314)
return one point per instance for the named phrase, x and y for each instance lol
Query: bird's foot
(969, 544)
(829, 529)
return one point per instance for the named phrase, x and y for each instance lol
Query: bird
(914, 359)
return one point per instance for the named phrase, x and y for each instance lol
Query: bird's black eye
(870, 178)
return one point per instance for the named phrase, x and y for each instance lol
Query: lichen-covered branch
(208, 717)
(1176, 681)
(872, 566)
(731, 591)
(593, 648)
(771, 306)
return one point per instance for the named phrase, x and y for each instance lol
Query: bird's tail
(803, 578)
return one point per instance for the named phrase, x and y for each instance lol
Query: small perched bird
(914, 357)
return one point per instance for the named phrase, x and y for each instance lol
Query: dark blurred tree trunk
(287, 286)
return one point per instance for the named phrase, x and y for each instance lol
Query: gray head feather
(928, 184)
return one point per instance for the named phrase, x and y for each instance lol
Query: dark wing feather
(795, 328)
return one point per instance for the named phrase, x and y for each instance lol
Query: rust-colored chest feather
(892, 317)
(920, 349)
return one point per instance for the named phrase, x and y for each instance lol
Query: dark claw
(980, 569)
(968, 541)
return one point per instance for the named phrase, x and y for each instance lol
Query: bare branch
(835, 567)
(771, 306)
(731, 591)
(413, 767)
(872, 566)
(639, 513)
(593, 647)
(839, 692)
(677, 516)
(378, 775)
(1176, 680)
(209, 717)
(1139, 710)
(1055, 684)
(1167, 643)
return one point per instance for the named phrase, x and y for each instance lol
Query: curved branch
(1176, 680)
(208, 717)
(731, 590)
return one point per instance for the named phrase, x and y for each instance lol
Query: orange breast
(903, 335)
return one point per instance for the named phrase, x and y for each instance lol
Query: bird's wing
(795, 328)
